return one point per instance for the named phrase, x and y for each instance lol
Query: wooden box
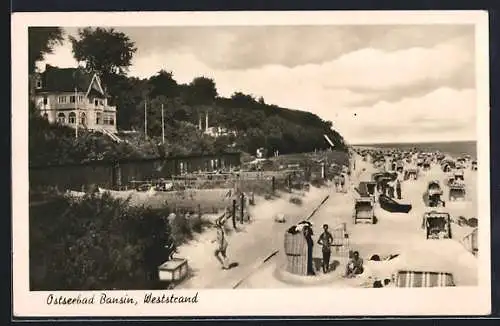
(174, 270)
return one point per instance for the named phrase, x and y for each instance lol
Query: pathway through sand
(393, 234)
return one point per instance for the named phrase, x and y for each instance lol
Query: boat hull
(392, 206)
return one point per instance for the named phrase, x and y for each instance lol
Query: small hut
(296, 249)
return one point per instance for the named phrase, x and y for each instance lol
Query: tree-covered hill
(252, 123)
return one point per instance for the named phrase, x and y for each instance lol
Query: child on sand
(355, 266)
(221, 243)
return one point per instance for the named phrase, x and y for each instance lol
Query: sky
(399, 83)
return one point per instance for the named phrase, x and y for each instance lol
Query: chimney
(206, 121)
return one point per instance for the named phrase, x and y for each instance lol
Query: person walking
(221, 243)
(325, 240)
(342, 182)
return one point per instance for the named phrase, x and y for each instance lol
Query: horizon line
(414, 142)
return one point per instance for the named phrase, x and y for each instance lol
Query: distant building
(218, 132)
(62, 94)
(215, 131)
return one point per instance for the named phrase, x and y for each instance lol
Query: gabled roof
(55, 79)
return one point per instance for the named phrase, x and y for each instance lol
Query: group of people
(354, 266)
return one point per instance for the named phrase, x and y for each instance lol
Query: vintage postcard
(251, 164)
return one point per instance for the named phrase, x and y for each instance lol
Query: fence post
(234, 213)
(289, 182)
(242, 208)
(273, 184)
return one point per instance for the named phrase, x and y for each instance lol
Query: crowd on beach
(396, 166)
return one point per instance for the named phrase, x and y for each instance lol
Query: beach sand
(394, 233)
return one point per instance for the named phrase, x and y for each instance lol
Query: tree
(243, 100)
(164, 84)
(105, 51)
(41, 41)
(202, 90)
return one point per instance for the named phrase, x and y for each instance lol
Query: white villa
(62, 94)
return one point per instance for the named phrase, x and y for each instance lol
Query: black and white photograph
(186, 159)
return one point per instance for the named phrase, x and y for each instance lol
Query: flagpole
(146, 119)
(77, 115)
(162, 125)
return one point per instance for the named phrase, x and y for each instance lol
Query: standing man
(220, 251)
(308, 233)
(342, 182)
(325, 240)
(399, 180)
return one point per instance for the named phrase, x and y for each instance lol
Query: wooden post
(162, 125)
(118, 176)
(273, 184)
(289, 182)
(242, 208)
(146, 119)
(234, 213)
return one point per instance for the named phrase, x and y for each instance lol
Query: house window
(83, 118)
(72, 118)
(109, 120)
(80, 98)
(61, 118)
(98, 118)
(38, 83)
(72, 99)
(46, 116)
(45, 100)
(61, 99)
(96, 102)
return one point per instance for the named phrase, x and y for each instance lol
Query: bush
(181, 230)
(318, 183)
(198, 224)
(100, 243)
(296, 200)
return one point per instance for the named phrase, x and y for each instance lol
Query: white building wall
(50, 106)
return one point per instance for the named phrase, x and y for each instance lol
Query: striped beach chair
(419, 279)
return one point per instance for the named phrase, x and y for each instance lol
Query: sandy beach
(394, 234)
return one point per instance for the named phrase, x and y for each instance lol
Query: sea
(453, 148)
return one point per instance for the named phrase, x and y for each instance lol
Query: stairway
(111, 135)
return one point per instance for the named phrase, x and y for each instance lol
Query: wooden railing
(470, 242)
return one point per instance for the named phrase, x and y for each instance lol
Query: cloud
(245, 47)
(390, 76)
(359, 77)
(444, 114)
